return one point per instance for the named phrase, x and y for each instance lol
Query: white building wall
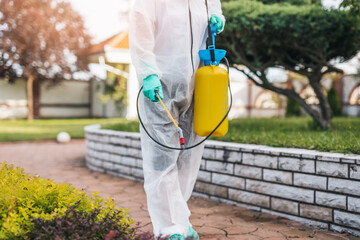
(240, 92)
(64, 112)
(66, 92)
(68, 99)
(13, 103)
(349, 83)
(97, 105)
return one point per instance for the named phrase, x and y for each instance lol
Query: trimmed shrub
(31, 206)
(292, 108)
(334, 101)
(293, 2)
(81, 225)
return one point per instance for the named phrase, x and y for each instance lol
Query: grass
(277, 132)
(286, 132)
(22, 130)
(297, 133)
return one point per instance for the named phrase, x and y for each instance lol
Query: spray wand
(178, 129)
(182, 140)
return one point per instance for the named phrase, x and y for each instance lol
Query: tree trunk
(312, 112)
(324, 123)
(325, 109)
(323, 118)
(296, 97)
(30, 100)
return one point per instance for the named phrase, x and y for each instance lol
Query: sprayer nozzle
(156, 93)
(181, 136)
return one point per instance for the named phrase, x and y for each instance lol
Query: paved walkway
(65, 163)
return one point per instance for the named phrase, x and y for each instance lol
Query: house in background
(113, 57)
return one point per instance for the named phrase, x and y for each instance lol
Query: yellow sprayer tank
(211, 100)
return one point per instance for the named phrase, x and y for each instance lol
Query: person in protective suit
(165, 38)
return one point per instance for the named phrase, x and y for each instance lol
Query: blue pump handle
(211, 46)
(212, 56)
(213, 33)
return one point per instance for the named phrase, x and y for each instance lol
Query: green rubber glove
(150, 84)
(219, 23)
(176, 237)
(192, 234)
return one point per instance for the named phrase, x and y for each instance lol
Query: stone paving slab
(213, 221)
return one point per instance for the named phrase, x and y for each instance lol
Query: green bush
(293, 2)
(26, 201)
(80, 225)
(334, 102)
(292, 108)
(131, 126)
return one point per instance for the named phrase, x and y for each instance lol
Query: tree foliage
(299, 38)
(38, 38)
(41, 40)
(353, 5)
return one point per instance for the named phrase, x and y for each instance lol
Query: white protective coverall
(163, 42)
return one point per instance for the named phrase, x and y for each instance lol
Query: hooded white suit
(165, 38)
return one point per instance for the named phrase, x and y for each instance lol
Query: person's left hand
(219, 23)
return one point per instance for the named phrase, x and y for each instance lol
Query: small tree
(41, 40)
(304, 39)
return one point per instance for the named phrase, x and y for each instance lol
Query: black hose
(199, 143)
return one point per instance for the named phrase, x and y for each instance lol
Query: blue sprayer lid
(205, 55)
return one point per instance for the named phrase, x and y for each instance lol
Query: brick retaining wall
(315, 188)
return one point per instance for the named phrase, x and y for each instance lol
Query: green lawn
(287, 132)
(297, 133)
(22, 130)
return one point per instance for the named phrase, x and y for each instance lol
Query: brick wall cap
(351, 157)
(96, 128)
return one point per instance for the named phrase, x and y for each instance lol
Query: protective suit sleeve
(142, 39)
(215, 9)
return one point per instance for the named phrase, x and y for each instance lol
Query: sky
(331, 3)
(103, 18)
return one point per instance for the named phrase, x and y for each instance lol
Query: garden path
(66, 163)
